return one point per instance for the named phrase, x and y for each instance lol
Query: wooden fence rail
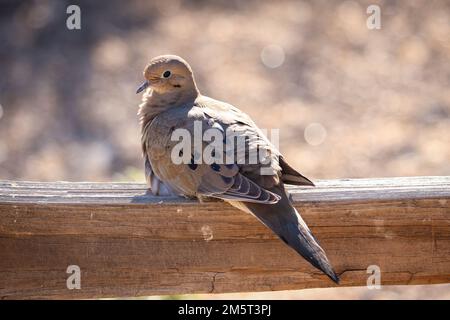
(127, 243)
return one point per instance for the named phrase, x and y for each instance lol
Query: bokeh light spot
(272, 56)
(315, 134)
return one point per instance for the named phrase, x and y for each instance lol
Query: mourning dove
(173, 104)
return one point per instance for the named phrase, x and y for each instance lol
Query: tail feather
(283, 219)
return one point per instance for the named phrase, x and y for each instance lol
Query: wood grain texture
(128, 243)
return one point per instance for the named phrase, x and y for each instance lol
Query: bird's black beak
(143, 87)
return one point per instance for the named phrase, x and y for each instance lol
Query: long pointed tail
(287, 223)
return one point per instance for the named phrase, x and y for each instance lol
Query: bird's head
(168, 74)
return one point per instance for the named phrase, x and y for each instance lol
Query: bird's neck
(153, 103)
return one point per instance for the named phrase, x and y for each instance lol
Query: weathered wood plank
(128, 243)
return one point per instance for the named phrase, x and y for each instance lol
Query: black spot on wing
(227, 180)
(215, 167)
(192, 165)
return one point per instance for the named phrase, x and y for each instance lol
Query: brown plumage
(172, 101)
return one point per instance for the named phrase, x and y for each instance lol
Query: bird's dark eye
(166, 74)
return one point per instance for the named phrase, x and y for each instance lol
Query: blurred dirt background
(349, 101)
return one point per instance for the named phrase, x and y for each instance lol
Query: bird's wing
(257, 157)
(188, 175)
(243, 125)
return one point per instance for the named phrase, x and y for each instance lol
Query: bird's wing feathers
(235, 187)
(243, 125)
(225, 181)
